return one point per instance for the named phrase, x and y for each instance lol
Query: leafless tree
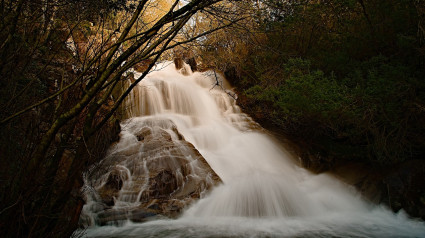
(73, 109)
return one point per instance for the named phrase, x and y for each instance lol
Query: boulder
(158, 172)
(111, 188)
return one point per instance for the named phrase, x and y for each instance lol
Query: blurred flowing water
(263, 194)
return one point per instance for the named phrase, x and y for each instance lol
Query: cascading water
(263, 194)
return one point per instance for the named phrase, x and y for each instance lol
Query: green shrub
(371, 109)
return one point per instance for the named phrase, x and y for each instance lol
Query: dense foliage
(343, 78)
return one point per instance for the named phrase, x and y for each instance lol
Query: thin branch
(17, 201)
(130, 88)
(220, 84)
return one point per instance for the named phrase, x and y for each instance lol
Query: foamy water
(264, 194)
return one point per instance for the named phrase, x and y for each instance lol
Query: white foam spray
(264, 193)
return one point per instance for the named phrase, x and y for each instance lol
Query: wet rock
(113, 216)
(140, 215)
(144, 132)
(179, 136)
(154, 207)
(160, 173)
(114, 181)
(110, 190)
(164, 184)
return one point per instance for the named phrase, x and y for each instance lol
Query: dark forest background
(343, 80)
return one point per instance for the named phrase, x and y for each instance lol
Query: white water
(264, 194)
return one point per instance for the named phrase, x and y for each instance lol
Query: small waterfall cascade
(202, 156)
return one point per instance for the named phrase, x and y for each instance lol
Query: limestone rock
(153, 170)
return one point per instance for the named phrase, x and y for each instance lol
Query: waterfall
(260, 192)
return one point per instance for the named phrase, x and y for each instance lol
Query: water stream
(263, 194)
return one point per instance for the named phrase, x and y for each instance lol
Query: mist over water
(264, 193)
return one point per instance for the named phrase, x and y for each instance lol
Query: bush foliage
(373, 112)
(343, 78)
